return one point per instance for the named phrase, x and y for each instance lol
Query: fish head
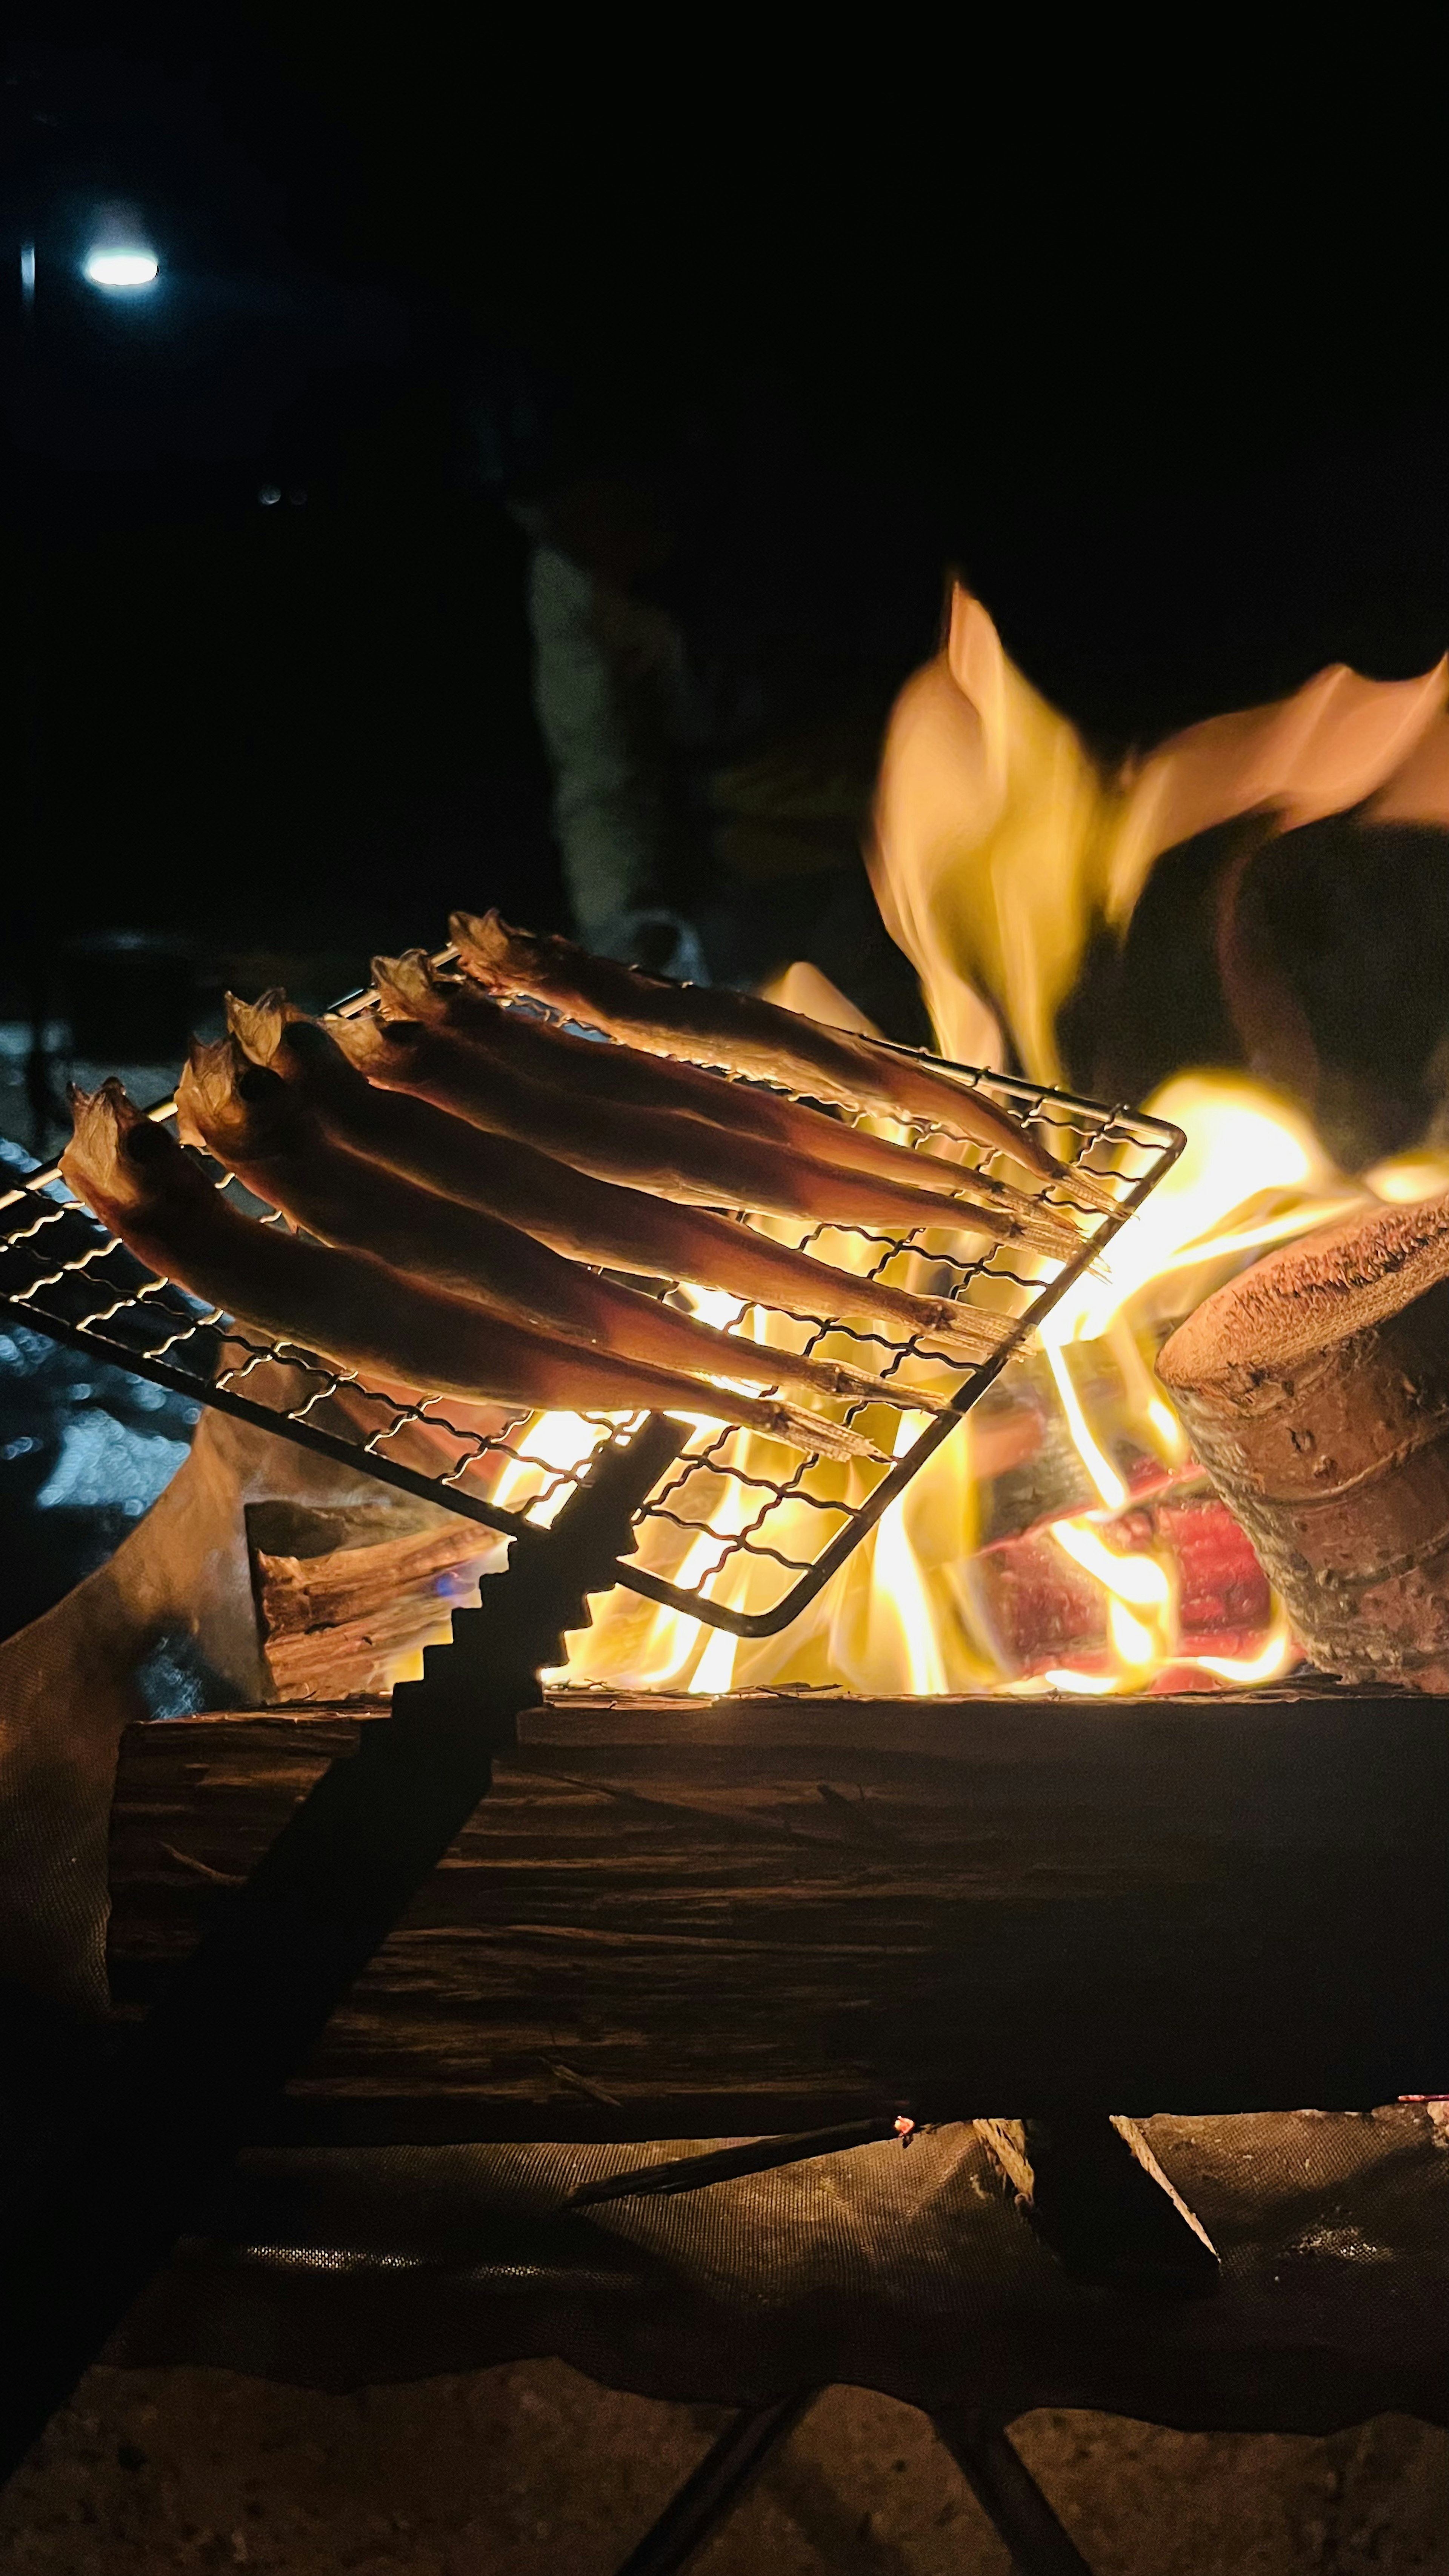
(258, 1027)
(275, 1036)
(373, 1045)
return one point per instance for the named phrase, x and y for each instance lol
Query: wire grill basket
(739, 1532)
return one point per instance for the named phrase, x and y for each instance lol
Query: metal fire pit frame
(64, 1274)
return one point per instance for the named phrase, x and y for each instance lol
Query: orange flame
(1001, 849)
(1001, 845)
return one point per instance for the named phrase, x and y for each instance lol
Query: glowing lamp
(120, 258)
(115, 269)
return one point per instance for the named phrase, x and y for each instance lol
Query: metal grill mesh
(740, 1532)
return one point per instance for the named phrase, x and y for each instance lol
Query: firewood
(694, 1918)
(1316, 1391)
(336, 1625)
(1043, 1610)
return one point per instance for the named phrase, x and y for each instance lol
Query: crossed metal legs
(993, 2469)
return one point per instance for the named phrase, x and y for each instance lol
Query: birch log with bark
(1316, 1392)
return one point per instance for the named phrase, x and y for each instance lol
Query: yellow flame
(1422, 1174)
(715, 1669)
(1131, 1578)
(1098, 1466)
(557, 1444)
(1002, 846)
(1134, 1645)
(905, 1614)
(1167, 1431)
(1248, 1149)
(1002, 849)
(1275, 1656)
(1244, 1142)
(1141, 1601)
(899, 1587)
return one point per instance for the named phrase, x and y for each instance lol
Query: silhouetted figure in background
(720, 619)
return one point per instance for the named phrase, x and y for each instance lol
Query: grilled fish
(597, 1221)
(260, 1127)
(355, 1309)
(745, 1034)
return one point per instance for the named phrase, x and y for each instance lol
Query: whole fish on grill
(259, 1127)
(354, 1309)
(709, 1024)
(591, 1220)
(682, 1158)
(414, 987)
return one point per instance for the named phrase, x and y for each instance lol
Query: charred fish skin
(739, 1030)
(596, 1221)
(259, 1128)
(359, 1312)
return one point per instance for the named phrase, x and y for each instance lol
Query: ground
(528, 2469)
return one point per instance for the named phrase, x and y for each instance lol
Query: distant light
(27, 271)
(120, 258)
(121, 269)
(269, 495)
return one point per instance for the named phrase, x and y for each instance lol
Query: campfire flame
(1001, 849)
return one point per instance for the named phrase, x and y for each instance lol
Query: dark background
(1185, 432)
(1174, 401)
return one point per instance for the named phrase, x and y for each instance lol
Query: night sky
(1188, 443)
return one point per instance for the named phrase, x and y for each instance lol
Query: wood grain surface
(704, 1918)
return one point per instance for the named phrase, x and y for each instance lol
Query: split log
(339, 1622)
(1315, 1388)
(700, 1918)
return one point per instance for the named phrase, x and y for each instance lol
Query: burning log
(1316, 1391)
(1044, 1611)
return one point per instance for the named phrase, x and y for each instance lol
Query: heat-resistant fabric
(177, 1592)
(911, 2271)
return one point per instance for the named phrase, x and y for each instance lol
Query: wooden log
(336, 1623)
(702, 1918)
(1315, 1388)
(1043, 1610)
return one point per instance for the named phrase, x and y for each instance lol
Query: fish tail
(206, 1094)
(258, 1026)
(407, 988)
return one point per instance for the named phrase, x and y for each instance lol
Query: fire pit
(1064, 1853)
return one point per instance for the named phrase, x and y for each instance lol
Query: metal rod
(112, 2193)
(712, 2491)
(726, 2164)
(1008, 2493)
